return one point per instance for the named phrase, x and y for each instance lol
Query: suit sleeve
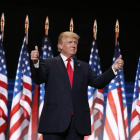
(40, 74)
(100, 81)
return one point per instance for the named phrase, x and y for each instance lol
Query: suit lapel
(77, 72)
(61, 66)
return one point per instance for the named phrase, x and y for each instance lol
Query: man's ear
(60, 46)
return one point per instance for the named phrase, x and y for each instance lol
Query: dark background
(83, 13)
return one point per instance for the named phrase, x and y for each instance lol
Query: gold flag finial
(116, 31)
(46, 26)
(71, 25)
(95, 29)
(2, 25)
(26, 28)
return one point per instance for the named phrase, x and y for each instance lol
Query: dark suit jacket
(60, 99)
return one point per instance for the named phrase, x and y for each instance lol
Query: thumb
(120, 57)
(36, 48)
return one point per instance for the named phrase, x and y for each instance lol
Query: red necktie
(70, 71)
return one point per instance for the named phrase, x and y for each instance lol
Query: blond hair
(65, 35)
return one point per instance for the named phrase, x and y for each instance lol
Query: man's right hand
(35, 55)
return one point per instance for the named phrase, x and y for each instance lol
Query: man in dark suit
(66, 114)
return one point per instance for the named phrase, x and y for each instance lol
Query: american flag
(46, 53)
(135, 113)
(116, 119)
(95, 97)
(22, 97)
(3, 91)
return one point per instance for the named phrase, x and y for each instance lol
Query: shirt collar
(64, 58)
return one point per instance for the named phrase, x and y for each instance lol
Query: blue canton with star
(136, 86)
(118, 81)
(94, 63)
(22, 69)
(3, 70)
(46, 53)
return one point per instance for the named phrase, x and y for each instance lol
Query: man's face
(69, 46)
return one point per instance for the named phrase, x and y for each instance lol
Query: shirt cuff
(115, 72)
(37, 64)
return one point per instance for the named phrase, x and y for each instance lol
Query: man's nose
(73, 44)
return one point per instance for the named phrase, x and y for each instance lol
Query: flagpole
(71, 25)
(46, 26)
(116, 31)
(2, 25)
(26, 28)
(95, 29)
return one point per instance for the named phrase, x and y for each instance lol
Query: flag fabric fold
(33, 125)
(3, 92)
(116, 118)
(22, 97)
(95, 97)
(135, 112)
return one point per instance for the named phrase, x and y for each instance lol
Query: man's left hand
(118, 64)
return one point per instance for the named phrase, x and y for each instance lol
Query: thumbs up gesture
(35, 55)
(118, 64)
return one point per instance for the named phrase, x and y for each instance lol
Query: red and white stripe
(135, 118)
(40, 136)
(20, 111)
(115, 127)
(3, 105)
(96, 103)
(135, 123)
